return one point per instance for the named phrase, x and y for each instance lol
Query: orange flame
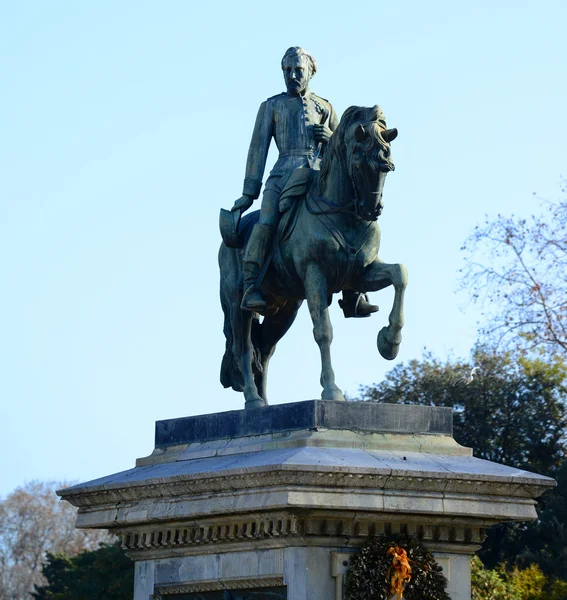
(399, 570)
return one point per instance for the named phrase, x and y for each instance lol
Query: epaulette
(321, 98)
(276, 96)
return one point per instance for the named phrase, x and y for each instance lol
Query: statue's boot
(355, 304)
(256, 253)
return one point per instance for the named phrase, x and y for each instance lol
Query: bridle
(352, 207)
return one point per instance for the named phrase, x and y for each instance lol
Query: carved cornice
(210, 533)
(161, 591)
(232, 482)
(281, 525)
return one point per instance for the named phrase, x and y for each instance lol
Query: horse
(327, 241)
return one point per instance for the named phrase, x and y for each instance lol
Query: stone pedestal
(270, 503)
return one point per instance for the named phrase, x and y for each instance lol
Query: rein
(333, 208)
(351, 250)
(351, 208)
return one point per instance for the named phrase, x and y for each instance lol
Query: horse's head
(362, 143)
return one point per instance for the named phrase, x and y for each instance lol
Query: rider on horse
(302, 124)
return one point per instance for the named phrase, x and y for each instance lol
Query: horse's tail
(230, 263)
(230, 373)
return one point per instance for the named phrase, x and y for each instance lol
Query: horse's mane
(376, 148)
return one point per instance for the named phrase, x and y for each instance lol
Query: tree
(503, 583)
(90, 575)
(511, 412)
(546, 540)
(33, 521)
(517, 270)
(512, 584)
(489, 584)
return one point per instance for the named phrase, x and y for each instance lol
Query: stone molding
(212, 585)
(328, 438)
(280, 526)
(193, 486)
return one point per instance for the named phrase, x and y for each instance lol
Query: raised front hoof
(388, 349)
(255, 402)
(332, 394)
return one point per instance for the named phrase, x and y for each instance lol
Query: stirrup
(360, 309)
(253, 300)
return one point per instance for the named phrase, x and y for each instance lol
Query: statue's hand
(322, 133)
(243, 203)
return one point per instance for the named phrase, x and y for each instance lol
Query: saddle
(294, 190)
(296, 186)
(236, 231)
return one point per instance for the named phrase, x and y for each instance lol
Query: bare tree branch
(34, 521)
(517, 271)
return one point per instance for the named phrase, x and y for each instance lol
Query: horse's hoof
(255, 402)
(388, 350)
(332, 394)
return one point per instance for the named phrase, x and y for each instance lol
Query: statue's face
(297, 74)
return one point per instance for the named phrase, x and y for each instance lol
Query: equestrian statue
(315, 235)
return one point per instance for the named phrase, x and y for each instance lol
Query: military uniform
(289, 120)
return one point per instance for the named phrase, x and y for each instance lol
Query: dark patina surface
(311, 414)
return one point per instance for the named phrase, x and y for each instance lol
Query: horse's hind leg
(317, 299)
(274, 327)
(253, 399)
(378, 276)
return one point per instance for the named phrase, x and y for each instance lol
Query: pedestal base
(269, 503)
(294, 572)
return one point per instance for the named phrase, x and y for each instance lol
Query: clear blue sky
(124, 128)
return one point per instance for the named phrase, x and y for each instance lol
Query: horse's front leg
(317, 300)
(378, 276)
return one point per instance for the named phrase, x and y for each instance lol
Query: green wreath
(370, 571)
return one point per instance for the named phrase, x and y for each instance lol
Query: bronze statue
(327, 241)
(301, 124)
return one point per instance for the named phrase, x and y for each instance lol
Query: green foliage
(367, 575)
(528, 584)
(545, 542)
(514, 584)
(106, 573)
(512, 412)
(488, 584)
(557, 590)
